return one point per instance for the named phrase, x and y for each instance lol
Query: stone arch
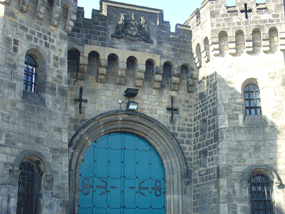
(271, 174)
(151, 130)
(47, 183)
(167, 73)
(266, 170)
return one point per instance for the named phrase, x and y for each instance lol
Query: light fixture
(130, 93)
(132, 106)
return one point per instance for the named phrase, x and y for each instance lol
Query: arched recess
(240, 43)
(256, 40)
(93, 63)
(131, 63)
(223, 43)
(207, 49)
(73, 62)
(273, 39)
(149, 69)
(144, 126)
(199, 56)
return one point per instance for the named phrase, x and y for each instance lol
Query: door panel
(121, 173)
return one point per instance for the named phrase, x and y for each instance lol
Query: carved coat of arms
(130, 28)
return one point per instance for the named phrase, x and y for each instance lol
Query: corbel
(215, 46)
(23, 6)
(121, 73)
(56, 13)
(82, 67)
(282, 41)
(71, 18)
(40, 10)
(101, 77)
(248, 44)
(265, 43)
(139, 78)
(157, 78)
(232, 45)
(175, 80)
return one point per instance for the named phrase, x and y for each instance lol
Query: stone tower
(210, 108)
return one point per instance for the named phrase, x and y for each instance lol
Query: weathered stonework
(191, 98)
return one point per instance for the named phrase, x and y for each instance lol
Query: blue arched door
(121, 173)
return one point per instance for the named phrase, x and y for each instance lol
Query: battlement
(247, 27)
(45, 12)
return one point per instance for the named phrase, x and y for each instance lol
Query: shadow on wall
(233, 142)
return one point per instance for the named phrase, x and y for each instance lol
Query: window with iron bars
(252, 100)
(260, 192)
(29, 188)
(30, 74)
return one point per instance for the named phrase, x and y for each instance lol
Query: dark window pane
(246, 95)
(247, 112)
(257, 95)
(258, 111)
(29, 74)
(252, 95)
(252, 111)
(252, 103)
(246, 103)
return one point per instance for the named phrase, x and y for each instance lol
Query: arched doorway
(164, 143)
(121, 173)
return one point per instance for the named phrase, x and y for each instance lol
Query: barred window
(252, 100)
(260, 191)
(29, 188)
(29, 82)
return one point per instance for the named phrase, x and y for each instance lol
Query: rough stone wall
(239, 53)
(33, 122)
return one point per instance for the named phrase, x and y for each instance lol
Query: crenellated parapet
(245, 28)
(49, 13)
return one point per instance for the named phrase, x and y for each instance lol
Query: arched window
(260, 193)
(252, 100)
(29, 187)
(29, 81)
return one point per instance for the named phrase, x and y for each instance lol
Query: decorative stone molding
(101, 77)
(23, 6)
(56, 14)
(121, 73)
(40, 10)
(139, 78)
(176, 171)
(265, 43)
(157, 78)
(70, 21)
(266, 169)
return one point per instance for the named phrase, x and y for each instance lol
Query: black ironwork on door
(29, 188)
(260, 194)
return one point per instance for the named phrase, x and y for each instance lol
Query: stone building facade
(210, 103)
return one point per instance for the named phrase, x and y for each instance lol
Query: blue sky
(176, 11)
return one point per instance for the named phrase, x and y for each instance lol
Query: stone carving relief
(132, 29)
